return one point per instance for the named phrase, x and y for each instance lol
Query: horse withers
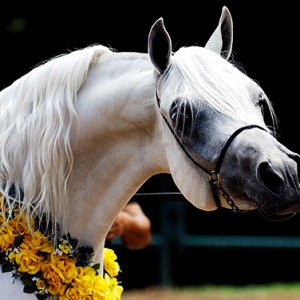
(82, 132)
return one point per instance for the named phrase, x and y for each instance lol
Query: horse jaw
(192, 182)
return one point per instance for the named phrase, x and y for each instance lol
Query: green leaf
(29, 289)
(73, 243)
(96, 267)
(7, 266)
(27, 280)
(42, 296)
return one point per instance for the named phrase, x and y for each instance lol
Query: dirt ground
(164, 294)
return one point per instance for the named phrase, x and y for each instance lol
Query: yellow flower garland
(48, 268)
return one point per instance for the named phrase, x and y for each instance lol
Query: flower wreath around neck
(53, 268)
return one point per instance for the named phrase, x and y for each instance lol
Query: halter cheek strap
(214, 177)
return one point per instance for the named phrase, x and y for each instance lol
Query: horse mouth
(270, 216)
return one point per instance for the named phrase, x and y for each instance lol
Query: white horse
(81, 133)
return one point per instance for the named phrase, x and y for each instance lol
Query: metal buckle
(214, 178)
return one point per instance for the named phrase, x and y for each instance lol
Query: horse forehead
(200, 62)
(190, 80)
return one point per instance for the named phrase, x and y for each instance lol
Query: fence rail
(172, 234)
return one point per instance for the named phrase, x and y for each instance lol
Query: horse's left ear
(221, 40)
(159, 46)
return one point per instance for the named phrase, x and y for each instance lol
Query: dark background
(265, 38)
(265, 44)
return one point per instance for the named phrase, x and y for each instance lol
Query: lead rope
(214, 177)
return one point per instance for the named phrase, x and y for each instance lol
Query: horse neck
(119, 145)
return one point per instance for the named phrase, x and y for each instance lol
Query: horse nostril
(269, 177)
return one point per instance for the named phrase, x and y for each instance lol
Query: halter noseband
(214, 177)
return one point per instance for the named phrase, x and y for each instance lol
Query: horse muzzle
(282, 188)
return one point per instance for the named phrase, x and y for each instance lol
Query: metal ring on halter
(214, 178)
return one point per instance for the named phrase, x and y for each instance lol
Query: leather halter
(214, 177)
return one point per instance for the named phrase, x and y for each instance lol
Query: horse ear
(159, 46)
(221, 40)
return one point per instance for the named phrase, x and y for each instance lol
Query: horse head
(216, 139)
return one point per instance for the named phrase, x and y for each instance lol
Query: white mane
(219, 84)
(37, 113)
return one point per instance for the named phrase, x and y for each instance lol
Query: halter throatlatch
(214, 177)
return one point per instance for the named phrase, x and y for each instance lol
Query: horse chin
(249, 204)
(267, 213)
(270, 216)
(246, 206)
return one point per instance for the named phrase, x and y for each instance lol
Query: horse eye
(181, 115)
(261, 101)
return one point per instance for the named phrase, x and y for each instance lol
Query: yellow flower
(64, 267)
(2, 219)
(40, 284)
(20, 225)
(110, 265)
(60, 275)
(10, 225)
(88, 271)
(85, 280)
(7, 239)
(20, 228)
(115, 289)
(101, 289)
(12, 256)
(28, 260)
(71, 294)
(64, 247)
(16, 209)
(56, 286)
(38, 242)
(107, 288)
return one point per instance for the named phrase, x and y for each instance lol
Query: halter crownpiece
(214, 177)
